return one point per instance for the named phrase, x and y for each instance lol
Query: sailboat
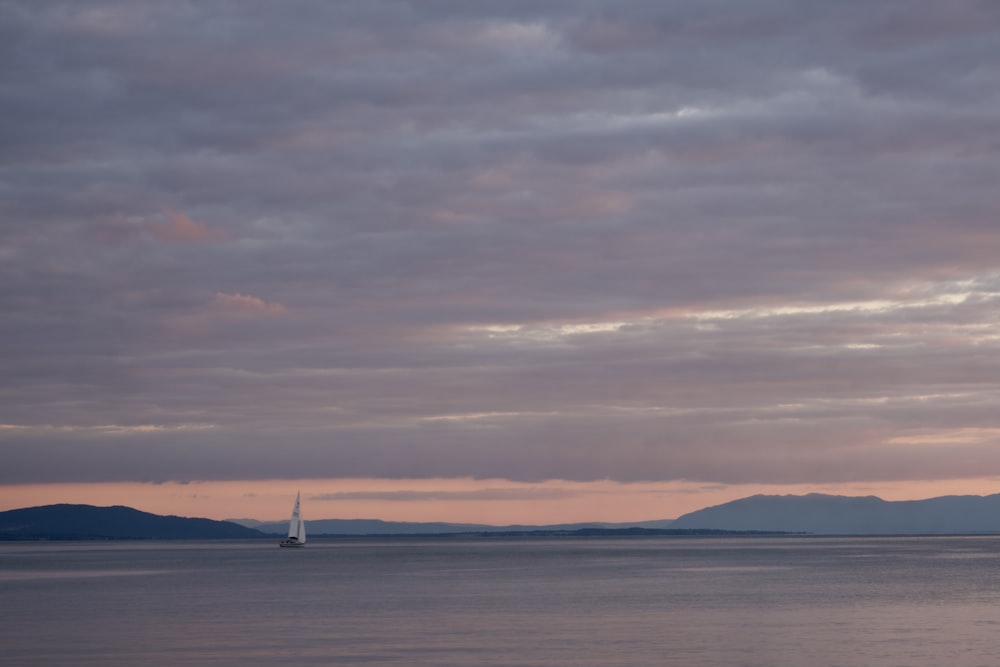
(296, 528)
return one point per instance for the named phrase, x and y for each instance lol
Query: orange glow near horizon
(464, 500)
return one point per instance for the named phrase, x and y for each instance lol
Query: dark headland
(86, 522)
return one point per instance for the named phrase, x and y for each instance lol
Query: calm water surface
(705, 602)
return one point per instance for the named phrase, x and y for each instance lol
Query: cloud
(247, 305)
(723, 242)
(182, 229)
(484, 494)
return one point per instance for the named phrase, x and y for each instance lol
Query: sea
(502, 601)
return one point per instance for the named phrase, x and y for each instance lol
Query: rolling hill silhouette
(849, 515)
(86, 522)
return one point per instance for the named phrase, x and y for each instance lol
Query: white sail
(296, 527)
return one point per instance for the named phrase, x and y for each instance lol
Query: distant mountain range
(86, 522)
(847, 515)
(813, 514)
(378, 527)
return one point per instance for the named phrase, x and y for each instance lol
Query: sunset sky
(497, 261)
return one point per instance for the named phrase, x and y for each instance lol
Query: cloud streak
(182, 229)
(728, 242)
(242, 303)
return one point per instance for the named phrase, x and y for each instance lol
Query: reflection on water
(767, 602)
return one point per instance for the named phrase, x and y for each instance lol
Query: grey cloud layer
(521, 240)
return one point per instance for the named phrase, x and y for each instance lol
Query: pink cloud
(242, 303)
(182, 229)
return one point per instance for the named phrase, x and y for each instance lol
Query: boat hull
(291, 545)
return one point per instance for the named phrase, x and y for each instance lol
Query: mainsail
(296, 527)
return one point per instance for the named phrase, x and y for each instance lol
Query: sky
(497, 261)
